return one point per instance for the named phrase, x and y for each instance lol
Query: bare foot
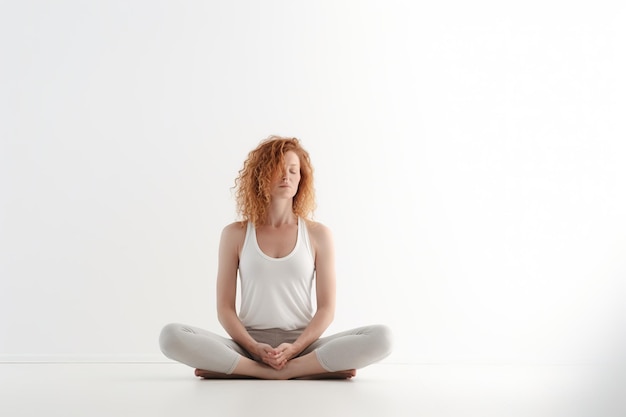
(348, 374)
(202, 373)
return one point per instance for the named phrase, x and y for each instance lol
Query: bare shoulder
(234, 234)
(319, 233)
(235, 228)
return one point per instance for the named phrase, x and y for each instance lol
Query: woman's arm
(231, 241)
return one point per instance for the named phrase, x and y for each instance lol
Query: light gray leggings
(199, 348)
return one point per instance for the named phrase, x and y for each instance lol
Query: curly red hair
(255, 178)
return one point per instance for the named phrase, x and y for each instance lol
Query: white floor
(93, 390)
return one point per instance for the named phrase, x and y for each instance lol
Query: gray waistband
(274, 337)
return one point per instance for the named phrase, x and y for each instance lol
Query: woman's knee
(169, 339)
(382, 339)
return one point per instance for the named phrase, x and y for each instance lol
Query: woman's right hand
(267, 354)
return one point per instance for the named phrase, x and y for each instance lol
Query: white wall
(469, 158)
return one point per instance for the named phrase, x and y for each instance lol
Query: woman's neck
(280, 214)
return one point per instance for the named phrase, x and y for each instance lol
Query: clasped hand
(276, 357)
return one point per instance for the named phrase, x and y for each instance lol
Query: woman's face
(285, 184)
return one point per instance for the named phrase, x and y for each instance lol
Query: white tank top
(276, 292)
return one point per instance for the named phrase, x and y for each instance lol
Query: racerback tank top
(276, 292)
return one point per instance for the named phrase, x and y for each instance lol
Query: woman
(278, 254)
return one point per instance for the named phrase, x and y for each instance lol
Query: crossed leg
(333, 357)
(303, 367)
